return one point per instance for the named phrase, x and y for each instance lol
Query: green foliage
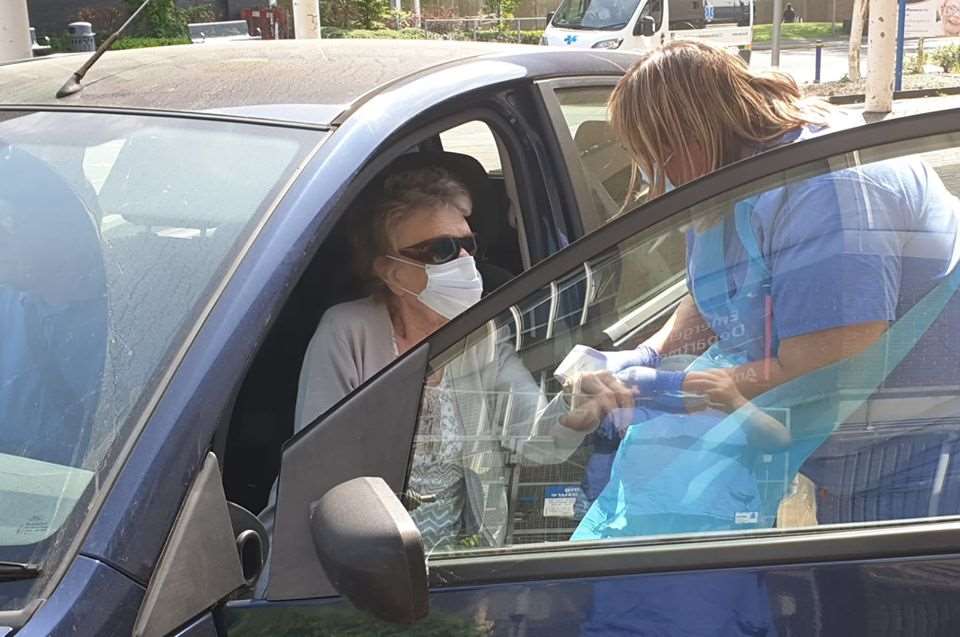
(496, 35)
(948, 57)
(503, 9)
(914, 63)
(355, 14)
(105, 20)
(161, 19)
(143, 43)
(486, 35)
(334, 33)
(201, 13)
(61, 43)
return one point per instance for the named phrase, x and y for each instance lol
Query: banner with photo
(932, 18)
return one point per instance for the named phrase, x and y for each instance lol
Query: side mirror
(550, 15)
(646, 26)
(371, 550)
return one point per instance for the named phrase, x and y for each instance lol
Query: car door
(850, 527)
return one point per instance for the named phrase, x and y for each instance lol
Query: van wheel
(745, 55)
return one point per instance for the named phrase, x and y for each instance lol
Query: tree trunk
(856, 35)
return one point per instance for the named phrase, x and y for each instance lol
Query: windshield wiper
(611, 27)
(73, 85)
(10, 571)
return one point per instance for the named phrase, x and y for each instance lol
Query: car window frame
(513, 137)
(913, 537)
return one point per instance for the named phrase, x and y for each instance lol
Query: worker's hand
(595, 396)
(718, 387)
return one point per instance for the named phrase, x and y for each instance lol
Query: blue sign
(570, 39)
(709, 12)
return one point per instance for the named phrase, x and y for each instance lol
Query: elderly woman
(417, 252)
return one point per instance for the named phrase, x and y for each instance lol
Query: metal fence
(486, 28)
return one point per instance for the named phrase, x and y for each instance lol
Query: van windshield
(595, 14)
(115, 231)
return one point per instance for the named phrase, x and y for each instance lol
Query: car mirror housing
(646, 26)
(371, 550)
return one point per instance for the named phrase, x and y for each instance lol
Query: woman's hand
(718, 387)
(595, 396)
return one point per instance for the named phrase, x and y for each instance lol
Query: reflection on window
(782, 356)
(605, 162)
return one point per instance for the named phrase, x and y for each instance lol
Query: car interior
(263, 415)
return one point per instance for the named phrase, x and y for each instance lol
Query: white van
(645, 24)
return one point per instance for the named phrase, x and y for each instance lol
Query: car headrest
(489, 212)
(593, 133)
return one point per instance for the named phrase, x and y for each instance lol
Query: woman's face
(950, 13)
(419, 226)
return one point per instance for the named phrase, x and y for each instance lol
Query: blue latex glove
(643, 356)
(664, 387)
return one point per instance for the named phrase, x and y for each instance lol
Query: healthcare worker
(822, 283)
(786, 282)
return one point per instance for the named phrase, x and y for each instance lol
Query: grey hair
(400, 195)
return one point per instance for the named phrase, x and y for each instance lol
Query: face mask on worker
(452, 288)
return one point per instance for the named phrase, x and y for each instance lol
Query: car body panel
(916, 597)
(77, 606)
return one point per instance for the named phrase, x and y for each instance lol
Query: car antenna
(73, 85)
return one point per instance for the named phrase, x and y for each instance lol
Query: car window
(474, 139)
(606, 164)
(112, 240)
(557, 425)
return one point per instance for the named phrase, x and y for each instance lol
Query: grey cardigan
(505, 414)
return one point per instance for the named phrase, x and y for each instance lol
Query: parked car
(170, 237)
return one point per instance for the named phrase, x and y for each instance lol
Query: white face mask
(452, 287)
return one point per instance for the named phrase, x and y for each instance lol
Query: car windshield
(114, 231)
(595, 14)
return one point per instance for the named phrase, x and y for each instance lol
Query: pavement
(906, 107)
(800, 61)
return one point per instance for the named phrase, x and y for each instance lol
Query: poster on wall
(932, 18)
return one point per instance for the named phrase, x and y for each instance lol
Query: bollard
(81, 36)
(818, 62)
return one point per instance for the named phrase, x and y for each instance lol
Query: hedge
(485, 35)
(61, 43)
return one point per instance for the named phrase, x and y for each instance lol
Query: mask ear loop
(409, 262)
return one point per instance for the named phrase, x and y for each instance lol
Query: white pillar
(14, 31)
(775, 35)
(306, 19)
(881, 56)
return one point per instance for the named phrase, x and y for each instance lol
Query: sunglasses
(441, 249)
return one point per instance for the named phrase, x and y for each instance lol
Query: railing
(484, 28)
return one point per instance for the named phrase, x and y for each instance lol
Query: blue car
(170, 237)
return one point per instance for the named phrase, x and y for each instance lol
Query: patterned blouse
(438, 470)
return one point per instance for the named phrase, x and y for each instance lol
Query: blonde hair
(687, 92)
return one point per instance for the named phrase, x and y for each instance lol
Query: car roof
(295, 80)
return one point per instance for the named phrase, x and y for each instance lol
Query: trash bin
(81, 36)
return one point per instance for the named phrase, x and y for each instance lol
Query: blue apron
(677, 472)
(684, 473)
